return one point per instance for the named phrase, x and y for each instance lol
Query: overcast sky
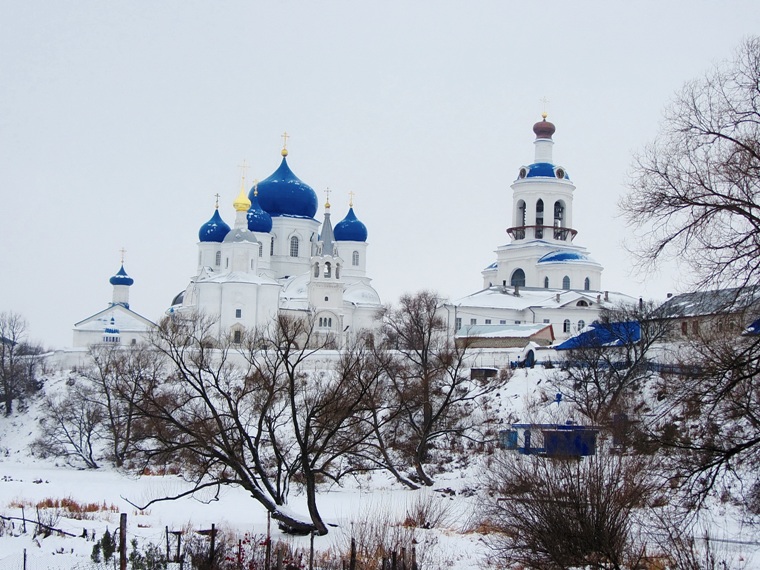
(120, 121)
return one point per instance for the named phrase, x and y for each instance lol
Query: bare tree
(695, 191)
(566, 513)
(428, 380)
(117, 375)
(17, 359)
(609, 375)
(71, 426)
(252, 414)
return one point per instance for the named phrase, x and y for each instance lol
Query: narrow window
(546, 282)
(695, 327)
(566, 326)
(238, 313)
(457, 323)
(218, 258)
(226, 262)
(587, 284)
(539, 219)
(316, 270)
(566, 282)
(337, 270)
(237, 336)
(518, 278)
(581, 324)
(294, 246)
(261, 249)
(684, 328)
(355, 258)
(328, 269)
(271, 246)
(473, 321)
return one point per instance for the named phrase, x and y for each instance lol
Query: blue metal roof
(562, 255)
(543, 169)
(604, 334)
(284, 194)
(350, 228)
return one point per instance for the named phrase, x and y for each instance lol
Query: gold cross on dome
(285, 137)
(123, 251)
(327, 193)
(351, 199)
(217, 200)
(545, 103)
(243, 168)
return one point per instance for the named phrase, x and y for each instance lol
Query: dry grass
(66, 507)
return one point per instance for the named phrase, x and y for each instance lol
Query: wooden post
(240, 553)
(167, 544)
(25, 559)
(311, 551)
(393, 561)
(403, 558)
(414, 558)
(123, 542)
(279, 558)
(213, 546)
(268, 558)
(23, 518)
(352, 564)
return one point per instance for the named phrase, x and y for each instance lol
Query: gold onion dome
(242, 203)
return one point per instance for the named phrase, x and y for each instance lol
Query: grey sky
(120, 121)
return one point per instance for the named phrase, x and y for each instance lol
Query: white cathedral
(277, 258)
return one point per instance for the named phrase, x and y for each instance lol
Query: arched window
(546, 282)
(294, 246)
(328, 269)
(271, 246)
(218, 259)
(355, 258)
(518, 278)
(520, 213)
(337, 270)
(684, 328)
(587, 284)
(581, 324)
(559, 214)
(539, 219)
(566, 326)
(566, 282)
(316, 270)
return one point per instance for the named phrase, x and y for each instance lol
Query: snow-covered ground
(26, 481)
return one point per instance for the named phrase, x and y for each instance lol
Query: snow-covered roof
(700, 303)
(502, 331)
(505, 298)
(116, 316)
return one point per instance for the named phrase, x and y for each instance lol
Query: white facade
(541, 275)
(277, 261)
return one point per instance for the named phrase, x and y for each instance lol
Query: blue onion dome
(284, 194)
(121, 278)
(258, 219)
(213, 230)
(350, 228)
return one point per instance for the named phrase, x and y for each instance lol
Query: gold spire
(242, 203)
(351, 199)
(285, 137)
(327, 203)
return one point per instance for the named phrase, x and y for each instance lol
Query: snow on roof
(502, 331)
(117, 316)
(505, 298)
(701, 303)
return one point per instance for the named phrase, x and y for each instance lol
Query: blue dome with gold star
(284, 194)
(213, 230)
